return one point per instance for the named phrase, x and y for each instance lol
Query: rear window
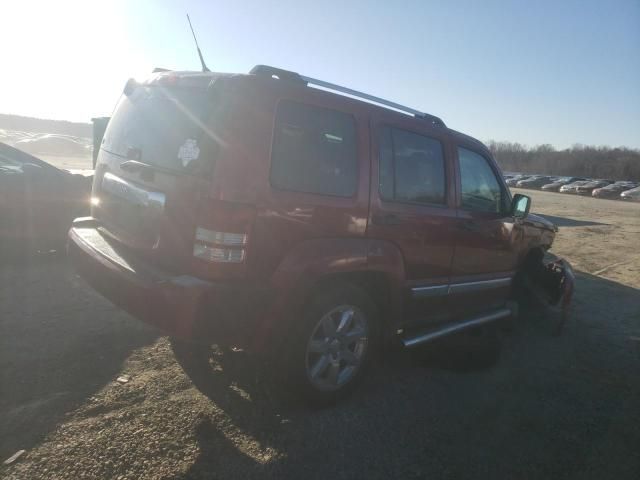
(159, 125)
(314, 150)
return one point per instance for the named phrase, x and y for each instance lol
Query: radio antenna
(204, 65)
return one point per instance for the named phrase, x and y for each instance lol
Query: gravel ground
(538, 407)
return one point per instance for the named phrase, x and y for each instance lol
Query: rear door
(317, 174)
(412, 207)
(486, 235)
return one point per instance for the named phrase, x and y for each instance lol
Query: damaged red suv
(314, 224)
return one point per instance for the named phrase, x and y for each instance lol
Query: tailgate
(154, 164)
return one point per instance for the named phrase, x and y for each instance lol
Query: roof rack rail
(266, 70)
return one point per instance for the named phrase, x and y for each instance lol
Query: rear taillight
(219, 247)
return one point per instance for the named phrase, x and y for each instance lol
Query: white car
(572, 187)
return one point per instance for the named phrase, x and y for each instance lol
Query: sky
(534, 72)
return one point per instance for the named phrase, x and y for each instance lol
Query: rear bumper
(181, 305)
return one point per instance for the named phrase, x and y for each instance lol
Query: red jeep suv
(314, 223)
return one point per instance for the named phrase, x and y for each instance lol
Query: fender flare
(312, 261)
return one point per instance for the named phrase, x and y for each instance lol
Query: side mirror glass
(520, 205)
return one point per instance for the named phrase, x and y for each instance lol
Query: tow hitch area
(552, 283)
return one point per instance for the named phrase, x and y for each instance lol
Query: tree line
(619, 163)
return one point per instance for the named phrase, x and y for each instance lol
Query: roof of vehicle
(467, 138)
(613, 186)
(577, 183)
(162, 76)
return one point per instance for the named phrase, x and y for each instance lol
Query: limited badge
(189, 151)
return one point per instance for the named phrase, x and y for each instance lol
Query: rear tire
(330, 349)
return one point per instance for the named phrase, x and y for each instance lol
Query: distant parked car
(510, 174)
(37, 201)
(632, 195)
(514, 180)
(614, 190)
(559, 182)
(54, 144)
(572, 187)
(534, 182)
(588, 187)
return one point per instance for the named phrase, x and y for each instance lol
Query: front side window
(314, 150)
(411, 168)
(480, 189)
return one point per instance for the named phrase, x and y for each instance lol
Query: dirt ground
(538, 407)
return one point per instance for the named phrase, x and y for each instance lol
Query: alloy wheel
(335, 351)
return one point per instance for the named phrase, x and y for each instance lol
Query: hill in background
(42, 125)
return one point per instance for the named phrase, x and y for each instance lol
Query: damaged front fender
(552, 283)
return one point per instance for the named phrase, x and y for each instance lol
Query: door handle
(386, 219)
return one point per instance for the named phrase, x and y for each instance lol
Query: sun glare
(69, 59)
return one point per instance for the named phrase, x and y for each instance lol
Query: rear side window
(411, 168)
(314, 150)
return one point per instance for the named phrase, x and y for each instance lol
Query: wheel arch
(377, 267)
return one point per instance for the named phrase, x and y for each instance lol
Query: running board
(452, 328)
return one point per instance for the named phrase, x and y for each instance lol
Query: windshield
(158, 125)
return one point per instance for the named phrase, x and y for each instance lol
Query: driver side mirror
(520, 205)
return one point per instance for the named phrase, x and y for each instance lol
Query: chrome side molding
(479, 286)
(427, 292)
(451, 328)
(467, 287)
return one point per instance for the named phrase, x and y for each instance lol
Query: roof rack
(287, 75)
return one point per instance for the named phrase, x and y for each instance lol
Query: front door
(412, 207)
(486, 256)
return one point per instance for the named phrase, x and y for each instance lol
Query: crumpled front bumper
(559, 283)
(568, 281)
